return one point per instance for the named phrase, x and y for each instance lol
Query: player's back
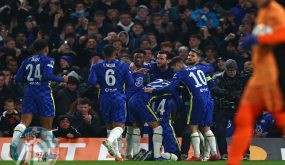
(111, 76)
(33, 72)
(195, 81)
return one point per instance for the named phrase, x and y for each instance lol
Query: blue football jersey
(165, 103)
(139, 80)
(37, 72)
(111, 76)
(194, 80)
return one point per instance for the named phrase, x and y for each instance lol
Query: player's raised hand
(248, 41)
(148, 90)
(65, 78)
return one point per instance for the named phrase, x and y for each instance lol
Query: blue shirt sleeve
(92, 79)
(177, 78)
(48, 72)
(129, 80)
(20, 73)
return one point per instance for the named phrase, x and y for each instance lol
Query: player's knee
(158, 130)
(137, 132)
(130, 130)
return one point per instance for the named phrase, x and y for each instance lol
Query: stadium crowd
(78, 30)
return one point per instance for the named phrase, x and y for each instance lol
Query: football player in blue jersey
(194, 59)
(201, 103)
(111, 75)
(160, 69)
(154, 110)
(37, 72)
(139, 74)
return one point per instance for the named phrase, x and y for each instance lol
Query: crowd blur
(77, 31)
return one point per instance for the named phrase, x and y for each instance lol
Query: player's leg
(105, 109)
(28, 109)
(170, 143)
(244, 124)
(129, 144)
(118, 118)
(206, 122)
(156, 138)
(211, 140)
(133, 135)
(195, 140)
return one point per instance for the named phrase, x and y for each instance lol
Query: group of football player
(152, 93)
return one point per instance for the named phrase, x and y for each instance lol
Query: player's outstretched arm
(92, 79)
(20, 73)
(48, 73)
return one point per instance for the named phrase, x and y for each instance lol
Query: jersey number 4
(110, 77)
(200, 80)
(34, 72)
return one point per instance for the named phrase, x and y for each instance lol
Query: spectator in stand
(211, 54)
(157, 27)
(113, 17)
(149, 56)
(183, 52)
(143, 15)
(166, 46)
(220, 68)
(125, 22)
(194, 41)
(9, 119)
(6, 91)
(124, 37)
(205, 17)
(153, 41)
(65, 128)
(84, 119)
(103, 27)
(135, 36)
(65, 96)
(90, 49)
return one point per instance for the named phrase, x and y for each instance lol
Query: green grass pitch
(154, 163)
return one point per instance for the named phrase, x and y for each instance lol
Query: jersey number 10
(200, 80)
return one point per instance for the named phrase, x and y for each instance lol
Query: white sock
(202, 143)
(108, 132)
(116, 146)
(207, 149)
(129, 135)
(169, 156)
(136, 140)
(157, 141)
(195, 140)
(19, 129)
(120, 144)
(115, 134)
(212, 141)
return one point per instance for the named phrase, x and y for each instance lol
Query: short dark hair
(40, 45)
(176, 60)
(138, 51)
(198, 36)
(168, 54)
(109, 50)
(84, 101)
